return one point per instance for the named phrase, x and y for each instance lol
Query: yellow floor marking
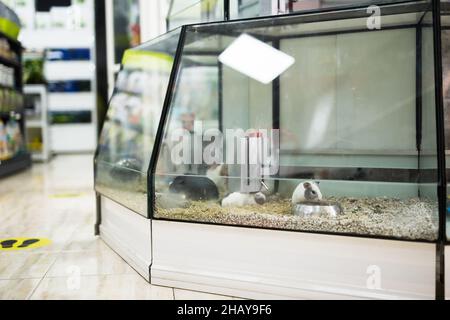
(66, 195)
(14, 244)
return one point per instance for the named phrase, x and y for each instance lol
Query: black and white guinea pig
(307, 191)
(195, 188)
(127, 170)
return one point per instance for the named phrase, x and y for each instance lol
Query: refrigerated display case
(295, 156)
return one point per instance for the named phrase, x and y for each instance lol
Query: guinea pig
(195, 188)
(127, 170)
(307, 191)
(238, 199)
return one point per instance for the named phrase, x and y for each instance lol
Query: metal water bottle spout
(252, 179)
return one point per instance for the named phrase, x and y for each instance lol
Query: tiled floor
(56, 201)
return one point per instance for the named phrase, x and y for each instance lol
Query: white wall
(153, 18)
(354, 92)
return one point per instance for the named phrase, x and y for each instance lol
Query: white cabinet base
(266, 264)
(128, 234)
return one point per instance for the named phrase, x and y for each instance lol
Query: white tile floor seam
(40, 281)
(57, 201)
(100, 287)
(184, 294)
(17, 289)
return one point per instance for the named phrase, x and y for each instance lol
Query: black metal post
(442, 177)
(419, 107)
(220, 91)
(101, 62)
(226, 10)
(98, 220)
(102, 85)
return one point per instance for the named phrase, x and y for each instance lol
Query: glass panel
(129, 132)
(251, 8)
(180, 5)
(426, 115)
(445, 35)
(194, 11)
(301, 5)
(353, 109)
(260, 8)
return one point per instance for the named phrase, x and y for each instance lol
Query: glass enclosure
(347, 111)
(131, 124)
(183, 12)
(318, 122)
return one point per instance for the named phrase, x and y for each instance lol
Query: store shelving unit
(72, 100)
(37, 122)
(68, 109)
(14, 158)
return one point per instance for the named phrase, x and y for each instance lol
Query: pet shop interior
(224, 149)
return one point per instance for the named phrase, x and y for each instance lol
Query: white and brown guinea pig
(307, 191)
(238, 199)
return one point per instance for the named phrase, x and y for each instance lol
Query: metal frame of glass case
(433, 8)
